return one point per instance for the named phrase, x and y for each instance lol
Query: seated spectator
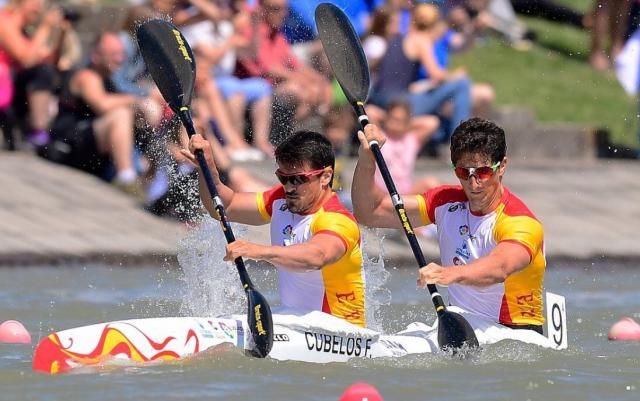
(32, 58)
(173, 189)
(401, 65)
(384, 26)
(447, 41)
(269, 56)
(552, 11)
(95, 123)
(477, 17)
(215, 42)
(402, 148)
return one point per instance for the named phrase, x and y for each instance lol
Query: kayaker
(315, 240)
(491, 244)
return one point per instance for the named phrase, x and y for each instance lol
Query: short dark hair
(306, 146)
(477, 135)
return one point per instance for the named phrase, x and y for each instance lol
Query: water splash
(376, 276)
(212, 286)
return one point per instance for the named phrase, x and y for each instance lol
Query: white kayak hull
(312, 337)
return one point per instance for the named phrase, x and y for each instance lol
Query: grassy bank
(554, 79)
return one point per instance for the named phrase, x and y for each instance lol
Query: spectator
(32, 58)
(552, 11)
(402, 148)
(131, 76)
(400, 67)
(173, 189)
(609, 24)
(95, 123)
(474, 17)
(270, 56)
(446, 41)
(216, 42)
(384, 26)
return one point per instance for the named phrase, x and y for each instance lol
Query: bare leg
(39, 109)
(218, 108)
(114, 136)
(237, 106)
(261, 116)
(598, 57)
(618, 17)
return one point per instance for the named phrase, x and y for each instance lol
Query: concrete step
(531, 140)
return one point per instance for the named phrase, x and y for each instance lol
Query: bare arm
(320, 251)
(208, 8)
(239, 206)
(505, 259)
(88, 85)
(422, 48)
(28, 51)
(372, 206)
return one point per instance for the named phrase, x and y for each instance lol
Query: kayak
(309, 337)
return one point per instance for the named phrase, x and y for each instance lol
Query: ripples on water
(62, 297)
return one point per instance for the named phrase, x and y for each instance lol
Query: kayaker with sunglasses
(491, 244)
(315, 240)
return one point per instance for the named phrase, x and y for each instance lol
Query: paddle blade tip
(260, 322)
(455, 334)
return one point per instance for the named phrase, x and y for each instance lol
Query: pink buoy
(626, 329)
(361, 392)
(13, 331)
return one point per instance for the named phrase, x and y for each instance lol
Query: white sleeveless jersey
(337, 289)
(464, 237)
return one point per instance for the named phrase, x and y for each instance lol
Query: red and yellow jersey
(338, 288)
(464, 236)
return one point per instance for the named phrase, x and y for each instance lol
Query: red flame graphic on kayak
(52, 357)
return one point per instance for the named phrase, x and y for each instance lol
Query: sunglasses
(481, 173)
(297, 178)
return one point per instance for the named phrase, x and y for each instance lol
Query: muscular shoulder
(265, 200)
(336, 219)
(516, 223)
(85, 78)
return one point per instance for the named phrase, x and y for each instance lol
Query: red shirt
(273, 49)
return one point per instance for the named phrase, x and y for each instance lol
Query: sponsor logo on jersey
(289, 235)
(457, 206)
(463, 230)
(463, 251)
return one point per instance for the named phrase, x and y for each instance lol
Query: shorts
(37, 78)
(73, 143)
(253, 89)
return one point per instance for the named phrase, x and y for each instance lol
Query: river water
(50, 298)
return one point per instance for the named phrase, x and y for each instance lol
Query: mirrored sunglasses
(481, 173)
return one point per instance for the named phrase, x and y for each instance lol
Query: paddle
(171, 63)
(349, 64)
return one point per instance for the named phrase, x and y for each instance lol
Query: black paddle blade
(344, 51)
(170, 61)
(455, 332)
(260, 323)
